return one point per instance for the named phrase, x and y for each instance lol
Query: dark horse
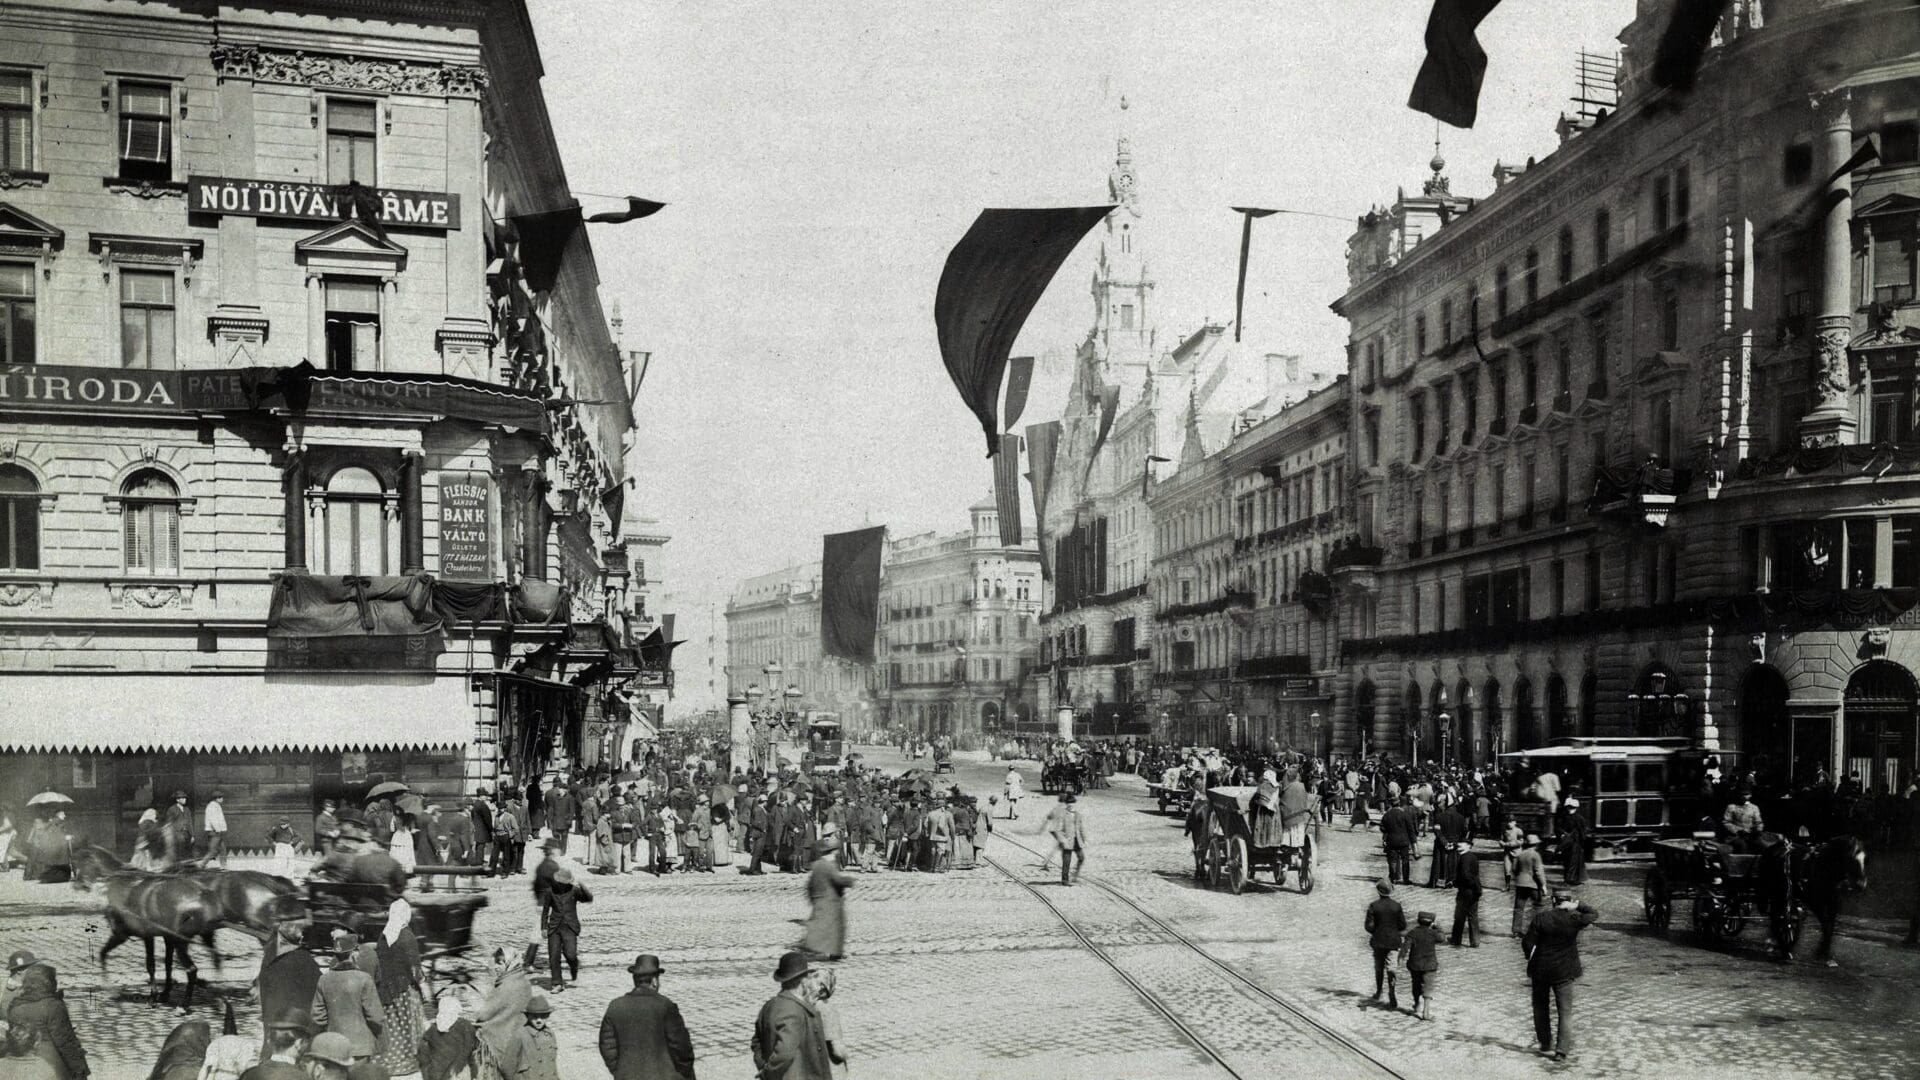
(1821, 875)
(174, 909)
(249, 901)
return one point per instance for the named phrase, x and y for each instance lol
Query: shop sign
(466, 526)
(296, 201)
(1308, 687)
(93, 389)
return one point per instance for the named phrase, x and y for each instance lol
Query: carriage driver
(1742, 823)
(356, 858)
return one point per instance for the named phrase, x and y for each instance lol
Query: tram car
(1632, 791)
(826, 748)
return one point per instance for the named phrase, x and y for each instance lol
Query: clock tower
(1122, 338)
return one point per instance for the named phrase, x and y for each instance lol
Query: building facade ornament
(383, 75)
(38, 594)
(151, 596)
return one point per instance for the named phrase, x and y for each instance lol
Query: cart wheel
(1728, 925)
(1306, 877)
(1796, 917)
(1657, 902)
(1238, 866)
(1213, 862)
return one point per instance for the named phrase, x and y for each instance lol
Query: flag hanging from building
(636, 208)
(1019, 378)
(1006, 490)
(1109, 405)
(1042, 441)
(850, 592)
(1247, 214)
(544, 237)
(1690, 30)
(1146, 473)
(1448, 86)
(991, 281)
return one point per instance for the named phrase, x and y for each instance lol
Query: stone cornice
(343, 71)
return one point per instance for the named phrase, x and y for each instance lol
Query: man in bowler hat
(789, 1042)
(1386, 926)
(642, 1036)
(1466, 894)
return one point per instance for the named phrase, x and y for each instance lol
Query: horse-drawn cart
(1059, 776)
(1241, 838)
(1174, 799)
(442, 918)
(1725, 888)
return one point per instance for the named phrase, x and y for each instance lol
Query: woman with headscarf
(498, 1019)
(396, 976)
(450, 1047)
(1265, 811)
(185, 1052)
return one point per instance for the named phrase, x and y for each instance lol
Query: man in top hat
(1466, 894)
(345, 1001)
(1069, 832)
(642, 1036)
(1386, 924)
(1553, 964)
(1529, 884)
(789, 1042)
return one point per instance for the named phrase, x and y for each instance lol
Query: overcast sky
(820, 159)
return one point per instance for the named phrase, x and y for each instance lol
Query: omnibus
(826, 749)
(1632, 790)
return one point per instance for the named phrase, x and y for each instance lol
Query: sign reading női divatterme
(320, 202)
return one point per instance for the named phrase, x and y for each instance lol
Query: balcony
(1645, 494)
(1352, 553)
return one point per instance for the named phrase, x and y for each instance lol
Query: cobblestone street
(942, 980)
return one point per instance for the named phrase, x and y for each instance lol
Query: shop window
(352, 324)
(147, 319)
(146, 132)
(19, 519)
(352, 154)
(356, 536)
(150, 523)
(16, 121)
(18, 315)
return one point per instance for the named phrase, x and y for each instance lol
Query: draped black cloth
(991, 281)
(1448, 85)
(1019, 380)
(850, 592)
(1006, 489)
(329, 622)
(1043, 441)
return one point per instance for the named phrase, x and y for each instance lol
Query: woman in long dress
(401, 846)
(396, 976)
(722, 835)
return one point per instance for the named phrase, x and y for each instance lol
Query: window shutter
(138, 541)
(16, 139)
(166, 539)
(143, 140)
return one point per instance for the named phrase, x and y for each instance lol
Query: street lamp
(1233, 721)
(1313, 722)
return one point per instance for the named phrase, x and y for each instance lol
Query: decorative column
(413, 533)
(739, 735)
(1831, 421)
(295, 478)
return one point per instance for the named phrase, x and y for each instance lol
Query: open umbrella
(50, 798)
(410, 803)
(390, 787)
(723, 794)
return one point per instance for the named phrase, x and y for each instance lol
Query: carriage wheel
(1728, 924)
(1239, 866)
(1657, 902)
(1796, 918)
(1214, 860)
(1306, 876)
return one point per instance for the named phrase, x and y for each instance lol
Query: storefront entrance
(1882, 727)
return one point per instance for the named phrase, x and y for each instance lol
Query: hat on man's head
(1067, 797)
(1463, 845)
(1533, 838)
(645, 964)
(563, 875)
(1425, 916)
(792, 966)
(537, 1006)
(345, 941)
(179, 795)
(20, 958)
(1384, 887)
(1572, 802)
(332, 1048)
(1562, 896)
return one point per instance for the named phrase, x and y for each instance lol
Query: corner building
(310, 439)
(1633, 437)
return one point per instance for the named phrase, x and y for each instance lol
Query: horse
(1817, 877)
(146, 905)
(249, 901)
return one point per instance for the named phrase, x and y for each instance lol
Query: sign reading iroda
(93, 389)
(320, 202)
(465, 526)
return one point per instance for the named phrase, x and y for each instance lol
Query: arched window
(1526, 721)
(1882, 717)
(19, 519)
(355, 536)
(150, 523)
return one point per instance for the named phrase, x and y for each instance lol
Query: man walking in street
(560, 920)
(216, 825)
(560, 809)
(1573, 844)
(642, 1036)
(789, 1041)
(1466, 895)
(1386, 925)
(1397, 828)
(1449, 828)
(1553, 963)
(1529, 884)
(1069, 832)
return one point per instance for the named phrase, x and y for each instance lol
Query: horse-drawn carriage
(1726, 888)
(442, 919)
(1176, 799)
(1238, 837)
(942, 758)
(1062, 775)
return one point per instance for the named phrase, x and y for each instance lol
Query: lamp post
(1313, 722)
(1233, 722)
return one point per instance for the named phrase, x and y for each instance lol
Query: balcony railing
(1352, 553)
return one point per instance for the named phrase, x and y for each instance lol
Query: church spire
(1121, 182)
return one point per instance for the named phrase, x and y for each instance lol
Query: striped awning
(98, 712)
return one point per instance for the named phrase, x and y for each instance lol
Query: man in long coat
(826, 887)
(643, 1036)
(1553, 964)
(789, 1041)
(287, 980)
(1449, 828)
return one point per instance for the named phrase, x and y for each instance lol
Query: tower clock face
(1123, 181)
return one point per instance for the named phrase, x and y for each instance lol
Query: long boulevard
(1134, 972)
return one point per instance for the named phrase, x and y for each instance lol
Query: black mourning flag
(1019, 379)
(1676, 62)
(992, 279)
(850, 592)
(1448, 86)
(1006, 489)
(1043, 440)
